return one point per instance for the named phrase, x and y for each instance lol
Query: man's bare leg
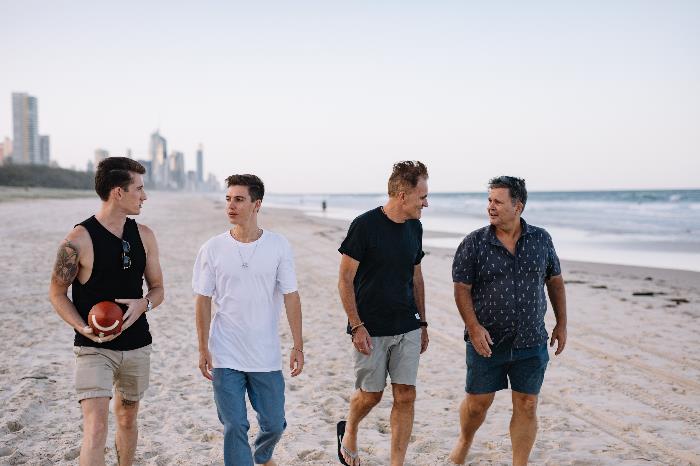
(472, 412)
(361, 403)
(127, 436)
(95, 413)
(523, 426)
(401, 421)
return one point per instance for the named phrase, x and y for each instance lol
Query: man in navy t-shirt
(381, 287)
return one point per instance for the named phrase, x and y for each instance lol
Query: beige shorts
(397, 356)
(97, 370)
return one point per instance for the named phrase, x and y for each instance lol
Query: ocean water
(644, 228)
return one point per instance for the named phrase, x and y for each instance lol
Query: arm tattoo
(66, 268)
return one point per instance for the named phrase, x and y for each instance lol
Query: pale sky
(324, 96)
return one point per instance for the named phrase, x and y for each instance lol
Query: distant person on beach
(323, 205)
(499, 273)
(249, 273)
(105, 258)
(381, 288)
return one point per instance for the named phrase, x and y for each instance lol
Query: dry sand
(625, 392)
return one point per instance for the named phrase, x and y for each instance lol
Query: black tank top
(109, 281)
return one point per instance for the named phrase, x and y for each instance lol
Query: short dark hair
(115, 172)
(405, 175)
(256, 188)
(516, 187)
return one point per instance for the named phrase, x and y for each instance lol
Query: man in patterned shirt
(499, 275)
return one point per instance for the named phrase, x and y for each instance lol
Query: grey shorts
(397, 356)
(97, 370)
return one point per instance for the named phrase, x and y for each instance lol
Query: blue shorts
(524, 367)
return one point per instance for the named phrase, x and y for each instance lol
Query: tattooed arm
(65, 270)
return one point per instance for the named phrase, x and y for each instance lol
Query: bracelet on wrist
(422, 323)
(354, 328)
(297, 349)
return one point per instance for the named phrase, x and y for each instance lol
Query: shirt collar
(524, 230)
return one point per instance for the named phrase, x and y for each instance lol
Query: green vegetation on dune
(40, 176)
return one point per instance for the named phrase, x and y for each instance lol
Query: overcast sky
(324, 96)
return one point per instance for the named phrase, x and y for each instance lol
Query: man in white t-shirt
(248, 272)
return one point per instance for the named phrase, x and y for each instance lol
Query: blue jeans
(266, 395)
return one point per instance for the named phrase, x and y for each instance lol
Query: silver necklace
(244, 262)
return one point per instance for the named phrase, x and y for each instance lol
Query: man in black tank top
(106, 258)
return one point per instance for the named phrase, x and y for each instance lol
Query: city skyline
(163, 170)
(315, 97)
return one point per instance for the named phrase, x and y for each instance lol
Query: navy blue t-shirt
(388, 253)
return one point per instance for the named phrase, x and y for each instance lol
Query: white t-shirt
(244, 330)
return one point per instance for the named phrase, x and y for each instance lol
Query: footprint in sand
(308, 455)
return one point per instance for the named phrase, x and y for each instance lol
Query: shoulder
(215, 242)
(78, 236)
(369, 216)
(473, 240)
(478, 236)
(276, 239)
(539, 233)
(145, 232)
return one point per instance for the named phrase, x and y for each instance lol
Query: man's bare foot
(459, 452)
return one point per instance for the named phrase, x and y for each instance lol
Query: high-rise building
(8, 148)
(90, 166)
(191, 184)
(44, 149)
(100, 155)
(2, 154)
(158, 151)
(177, 170)
(200, 165)
(25, 119)
(148, 176)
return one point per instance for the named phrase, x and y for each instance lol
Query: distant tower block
(100, 155)
(200, 164)
(25, 120)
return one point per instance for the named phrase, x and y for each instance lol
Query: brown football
(106, 318)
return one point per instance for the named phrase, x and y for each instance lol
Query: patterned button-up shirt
(508, 290)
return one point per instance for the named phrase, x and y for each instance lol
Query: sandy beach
(625, 392)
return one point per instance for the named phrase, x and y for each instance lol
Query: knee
(525, 406)
(369, 399)
(405, 396)
(126, 421)
(477, 409)
(236, 425)
(275, 427)
(126, 417)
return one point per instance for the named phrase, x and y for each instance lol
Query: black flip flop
(340, 433)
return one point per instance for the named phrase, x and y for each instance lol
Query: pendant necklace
(245, 263)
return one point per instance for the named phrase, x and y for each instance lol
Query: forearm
(465, 305)
(292, 304)
(347, 297)
(156, 295)
(419, 296)
(203, 320)
(66, 310)
(557, 296)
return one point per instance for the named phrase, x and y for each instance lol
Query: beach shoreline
(625, 391)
